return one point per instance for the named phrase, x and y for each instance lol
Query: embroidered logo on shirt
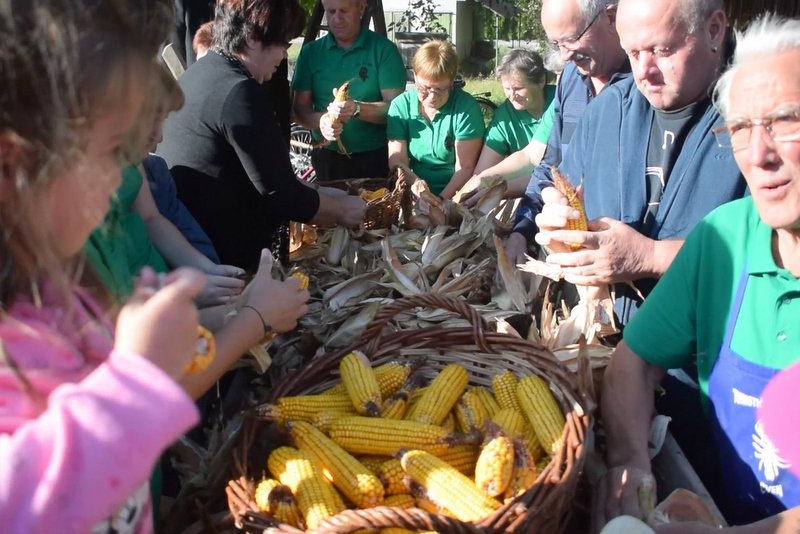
(449, 143)
(769, 460)
(363, 73)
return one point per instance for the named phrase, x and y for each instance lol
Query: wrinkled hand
(280, 303)
(330, 130)
(516, 247)
(612, 252)
(161, 324)
(618, 493)
(341, 111)
(351, 210)
(223, 284)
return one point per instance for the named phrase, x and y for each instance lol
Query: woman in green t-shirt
(520, 126)
(518, 120)
(435, 129)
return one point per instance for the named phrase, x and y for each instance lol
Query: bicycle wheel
(300, 140)
(487, 109)
(300, 144)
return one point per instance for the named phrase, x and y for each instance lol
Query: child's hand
(280, 303)
(223, 284)
(161, 324)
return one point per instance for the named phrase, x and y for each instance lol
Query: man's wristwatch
(357, 112)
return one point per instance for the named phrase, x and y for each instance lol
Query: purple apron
(756, 479)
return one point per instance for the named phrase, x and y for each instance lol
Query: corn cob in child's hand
(563, 186)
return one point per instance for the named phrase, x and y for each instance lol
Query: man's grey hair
(694, 13)
(590, 8)
(764, 37)
(526, 62)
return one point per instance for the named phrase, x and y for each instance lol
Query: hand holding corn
(339, 111)
(603, 251)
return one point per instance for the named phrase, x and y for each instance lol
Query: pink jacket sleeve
(96, 442)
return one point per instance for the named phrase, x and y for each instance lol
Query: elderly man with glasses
(730, 300)
(583, 33)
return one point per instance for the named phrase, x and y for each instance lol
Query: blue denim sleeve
(532, 203)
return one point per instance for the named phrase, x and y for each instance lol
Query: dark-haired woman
(225, 148)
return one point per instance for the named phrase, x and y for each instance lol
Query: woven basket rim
(544, 507)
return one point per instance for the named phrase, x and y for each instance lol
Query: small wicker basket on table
(381, 212)
(544, 508)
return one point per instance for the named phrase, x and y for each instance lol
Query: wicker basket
(382, 212)
(544, 508)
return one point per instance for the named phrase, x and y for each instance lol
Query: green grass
(486, 85)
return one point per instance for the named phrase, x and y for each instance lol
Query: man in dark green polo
(375, 70)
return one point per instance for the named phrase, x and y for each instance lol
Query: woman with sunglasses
(435, 129)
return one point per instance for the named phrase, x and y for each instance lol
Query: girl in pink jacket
(84, 413)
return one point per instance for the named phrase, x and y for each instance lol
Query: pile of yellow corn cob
(376, 438)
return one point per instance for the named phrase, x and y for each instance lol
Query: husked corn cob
(494, 466)
(355, 481)
(373, 463)
(423, 502)
(488, 400)
(342, 95)
(315, 496)
(462, 458)
(322, 420)
(523, 475)
(542, 412)
(449, 422)
(401, 500)
(440, 396)
(396, 406)
(446, 487)
(276, 499)
(563, 185)
(504, 386)
(391, 474)
(302, 277)
(417, 395)
(361, 385)
(368, 196)
(206, 351)
(470, 412)
(532, 442)
(303, 407)
(371, 435)
(510, 422)
(391, 376)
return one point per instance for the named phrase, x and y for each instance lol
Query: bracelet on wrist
(267, 328)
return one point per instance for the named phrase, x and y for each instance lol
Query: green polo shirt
(686, 314)
(512, 129)
(372, 63)
(431, 144)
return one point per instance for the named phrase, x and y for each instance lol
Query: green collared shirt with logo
(686, 314)
(431, 144)
(512, 129)
(371, 64)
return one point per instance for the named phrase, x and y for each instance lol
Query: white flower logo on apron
(769, 461)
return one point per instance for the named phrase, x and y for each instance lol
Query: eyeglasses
(569, 41)
(782, 126)
(435, 91)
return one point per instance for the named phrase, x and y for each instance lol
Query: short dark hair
(267, 21)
